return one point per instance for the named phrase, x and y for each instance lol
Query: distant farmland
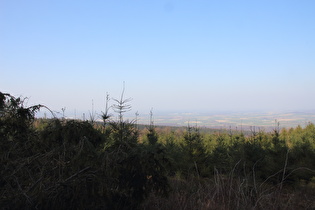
(234, 120)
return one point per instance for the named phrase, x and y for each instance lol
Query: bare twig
(76, 174)
(284, 169)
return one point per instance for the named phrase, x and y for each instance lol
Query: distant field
(227, 120)
(267, 120)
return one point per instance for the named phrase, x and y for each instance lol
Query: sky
(172, 56)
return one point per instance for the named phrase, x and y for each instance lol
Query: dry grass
(222, 192)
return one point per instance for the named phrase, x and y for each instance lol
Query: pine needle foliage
(69, 164)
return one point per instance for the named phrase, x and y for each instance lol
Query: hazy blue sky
(185, 55)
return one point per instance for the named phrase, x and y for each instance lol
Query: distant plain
(233, 120)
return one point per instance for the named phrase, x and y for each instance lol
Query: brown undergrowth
(221, 192)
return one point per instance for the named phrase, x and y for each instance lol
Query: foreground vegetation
(67, 164)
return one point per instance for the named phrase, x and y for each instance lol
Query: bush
(72, 165)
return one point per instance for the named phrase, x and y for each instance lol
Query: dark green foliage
(174, 153)
(195, 150)
(72, 165)
(302, 155)
(67, 164)
(71, 132)
(51, 170)
(15, 119)
(220, 157)
(152, 136)
(138, 168)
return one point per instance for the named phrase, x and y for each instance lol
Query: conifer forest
(59, 163)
